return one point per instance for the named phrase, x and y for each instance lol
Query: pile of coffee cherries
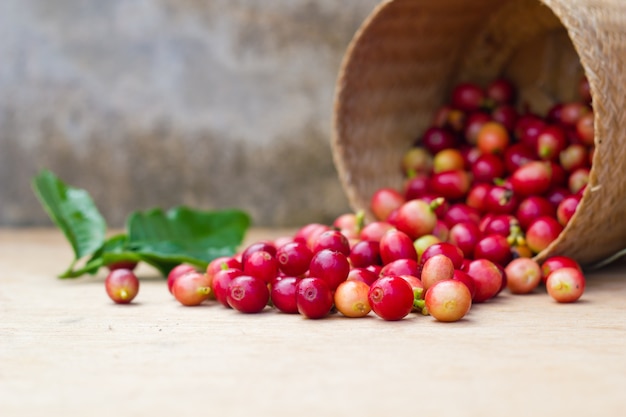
(486, 188)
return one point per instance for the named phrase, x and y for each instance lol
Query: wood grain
(66, 350)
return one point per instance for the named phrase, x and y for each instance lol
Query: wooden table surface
(67, 350)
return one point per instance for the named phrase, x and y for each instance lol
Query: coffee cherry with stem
(314, 298)
(391, 298)
(448, 301)
(351, 300)
(417, 217)
(192, 288)
(566, 285)
(121, 285)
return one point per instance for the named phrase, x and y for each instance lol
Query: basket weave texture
(406, 57)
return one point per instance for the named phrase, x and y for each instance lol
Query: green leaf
(165, 239)
(73, 211)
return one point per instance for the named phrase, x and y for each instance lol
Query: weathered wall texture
(210, 103)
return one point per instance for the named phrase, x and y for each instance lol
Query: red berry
(416, 218)
(248, 294)
(294, 258)
(362, 274)
(566, 209)
(314, 298)
(473, 125)
(121, 285)
(550, 142)
(400, 267)
(262, 265)
(444, 248)
(283, 295)
(487, 279)
(465, 235)
(221, 282)
(452, 185)
(333, 240)
(557, 262)
(331, 266)
(487, 168)
(495, 248)
(365, 253)
(467, 97)
(396, 245)
(534, 178)
(436, 139)
(501, 91)
(532, 208)
(391, 298)
(542, 232)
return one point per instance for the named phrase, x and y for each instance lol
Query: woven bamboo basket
(408, 54)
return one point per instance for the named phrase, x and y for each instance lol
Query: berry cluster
(486, 189)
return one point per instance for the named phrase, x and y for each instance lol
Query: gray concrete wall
(213, 104)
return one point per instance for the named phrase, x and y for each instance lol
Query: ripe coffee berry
(448, 300)
(294, 258)
(314, 298)
(283, 295)
(121, 285)
(331, 266)
(248, 294)
(391, 298)
(192, 288)
(351, 299)
(566, 285)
